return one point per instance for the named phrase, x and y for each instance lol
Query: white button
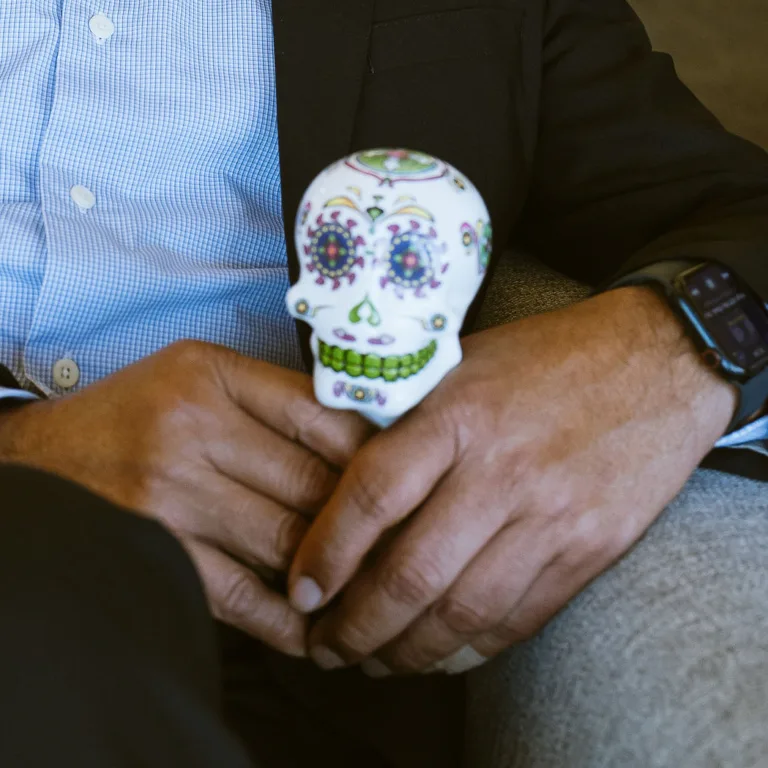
(101, 27)
(82, 197)
(66, 373)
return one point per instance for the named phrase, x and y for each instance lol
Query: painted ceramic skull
(393, 245)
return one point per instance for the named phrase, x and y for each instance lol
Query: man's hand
(533, 467)
(230, 453)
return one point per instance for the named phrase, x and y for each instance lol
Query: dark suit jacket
(588, 150)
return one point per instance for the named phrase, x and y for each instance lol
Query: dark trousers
(109, 658)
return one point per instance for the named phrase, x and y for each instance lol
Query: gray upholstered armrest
(523, 286)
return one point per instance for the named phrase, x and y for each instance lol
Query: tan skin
(231, 454)
(525, 492)
(532, 468)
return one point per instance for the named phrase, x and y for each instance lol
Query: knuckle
(239, 598)
(510, 631)
(593, 540)
(310, 480)
(196, 364)
(305, 414)
(411, 583)
(287, 537)
(369, 493)
(411, 659)
(279, 629)
(188, 350)
(554, 502)
(464, 618)
(613, 545)
(352, 640)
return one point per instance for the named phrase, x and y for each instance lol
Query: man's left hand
(533, 467)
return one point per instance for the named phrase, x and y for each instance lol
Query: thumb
(385, 482)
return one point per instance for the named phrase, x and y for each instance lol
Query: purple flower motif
(382, 341)
(338, 388)
(335, 215)
(394, 228)
(380, 399)
(351, 223)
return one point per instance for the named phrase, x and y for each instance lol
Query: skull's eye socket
(410, 264)
(333, 251)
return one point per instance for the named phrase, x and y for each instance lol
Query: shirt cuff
(18, 394)
(756, 430)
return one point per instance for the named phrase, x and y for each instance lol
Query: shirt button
(82, 197)
(101, 27)
(66, 373)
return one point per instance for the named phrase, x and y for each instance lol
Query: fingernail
(306, 595)
(374, 668)
(325, 658)
(462, 661)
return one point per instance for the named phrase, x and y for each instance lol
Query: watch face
(736, 319)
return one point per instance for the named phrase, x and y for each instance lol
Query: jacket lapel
(321, 54)
(321, 57)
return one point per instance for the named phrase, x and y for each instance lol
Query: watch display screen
(736, 319)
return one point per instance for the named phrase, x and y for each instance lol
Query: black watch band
(664, 275)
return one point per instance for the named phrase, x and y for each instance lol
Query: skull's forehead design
(397, 165)
(389, 266)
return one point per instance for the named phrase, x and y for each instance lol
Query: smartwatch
(727, 321)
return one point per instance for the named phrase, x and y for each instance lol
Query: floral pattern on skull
(478, 239)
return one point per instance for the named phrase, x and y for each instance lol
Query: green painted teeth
(389, 368)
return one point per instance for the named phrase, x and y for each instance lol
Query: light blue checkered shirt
(170, 123)
(161, 116)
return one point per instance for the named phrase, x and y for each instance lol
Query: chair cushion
(523, 286)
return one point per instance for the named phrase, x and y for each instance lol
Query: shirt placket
(69, 198)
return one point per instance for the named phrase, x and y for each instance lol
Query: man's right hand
(229, 453)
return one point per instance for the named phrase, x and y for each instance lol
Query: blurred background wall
(720, 49)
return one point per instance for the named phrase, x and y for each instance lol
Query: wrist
(650, 327)
(12, 414)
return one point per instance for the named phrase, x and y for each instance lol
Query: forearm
(654, 340)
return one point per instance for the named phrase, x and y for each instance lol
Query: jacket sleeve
(630, 168)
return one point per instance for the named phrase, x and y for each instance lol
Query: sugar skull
(394, 245)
